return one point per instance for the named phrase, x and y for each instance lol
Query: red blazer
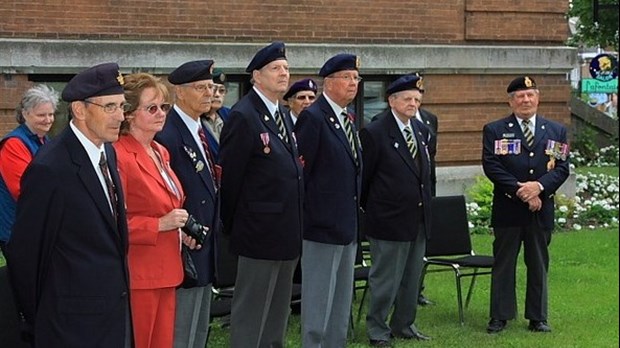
(154, 256)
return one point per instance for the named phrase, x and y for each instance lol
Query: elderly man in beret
(192, 162)
(299, 96)
(213, 120)
(526, 158)
(329, 146)
(396, 196)
(68, 252)
(261, 192)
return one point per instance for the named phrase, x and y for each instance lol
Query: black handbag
(190, 275)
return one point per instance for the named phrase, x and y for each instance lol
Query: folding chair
(450, 246)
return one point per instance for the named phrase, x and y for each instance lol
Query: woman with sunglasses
(154, 198)
(299, 96)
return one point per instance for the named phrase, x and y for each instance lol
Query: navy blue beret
(102, 79)
(301, 85)
(339, 62)
(521, 82)
(196, 70)
(219, 77)
(405, 83)
(266, 55)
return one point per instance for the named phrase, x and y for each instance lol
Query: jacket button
(203, 202)
(420, 204)
(531, 171)
(124, 294)
(531, 154)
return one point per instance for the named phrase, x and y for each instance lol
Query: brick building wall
(393, 37)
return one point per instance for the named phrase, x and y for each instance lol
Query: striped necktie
(103, 166)
(348, 131)
(210, 162)
(527, 132)
(281, 127)
(410, 142)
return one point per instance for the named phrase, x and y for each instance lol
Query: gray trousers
(394, 281)
(326, 293)
(261, 303)
(191, 323)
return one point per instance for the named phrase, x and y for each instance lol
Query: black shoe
(423, 301)
(539, 326)
(380, 343)
(496, 326)
(418, 336)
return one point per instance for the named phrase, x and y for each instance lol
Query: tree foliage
(591, 34)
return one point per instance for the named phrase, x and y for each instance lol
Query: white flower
(577, 227)
(563, 209)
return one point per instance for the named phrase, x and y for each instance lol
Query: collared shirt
(214, 125)
(337, 109)
(532, 123)
(94, 154)
(270, 105)
(402, 126)
(193, 126)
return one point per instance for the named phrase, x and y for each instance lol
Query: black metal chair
(450, 246)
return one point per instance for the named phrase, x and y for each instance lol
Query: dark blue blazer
(430, 120)
(67, 254)
(396, 191)
(201, 199)
(262, 184)
(214, 145)
(530, 165)
(331, 175)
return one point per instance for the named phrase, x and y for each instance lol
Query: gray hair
(37, 95)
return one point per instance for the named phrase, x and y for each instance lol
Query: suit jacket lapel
(540, 131)
(86, 172)
(145, 162)
(335, 126)
(191, 150)
(398, 141)
(268, 120)
(421, 144)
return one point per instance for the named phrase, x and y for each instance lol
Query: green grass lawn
(583, 302)
(613, 171)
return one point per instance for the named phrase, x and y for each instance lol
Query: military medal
(556, 151)
(199, 166)
(265, 139)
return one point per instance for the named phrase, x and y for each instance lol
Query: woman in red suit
(154, 197)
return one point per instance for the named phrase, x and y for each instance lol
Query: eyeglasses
(152, 109)
(304, 97)
(201, 88)
(111, 108)
(348, 78)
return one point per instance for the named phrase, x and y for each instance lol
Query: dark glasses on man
(304, 97)
(152, 109)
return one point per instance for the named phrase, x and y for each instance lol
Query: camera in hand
(195, 230)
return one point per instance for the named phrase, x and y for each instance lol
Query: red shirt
(14, 158)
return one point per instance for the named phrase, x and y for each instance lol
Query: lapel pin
(510, 124)
(266, 117)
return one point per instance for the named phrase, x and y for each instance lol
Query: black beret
(520, 83)
(102, 79)
(219, 77)
(405, 83)
(266, 55)
(301, 85)
(196, 70)
(339, 62)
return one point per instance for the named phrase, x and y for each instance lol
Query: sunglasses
(304, 97)
(152, 109)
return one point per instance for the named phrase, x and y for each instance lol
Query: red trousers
(153, 311)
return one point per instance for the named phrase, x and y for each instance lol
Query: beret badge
(419, 84)
(120, 79)
(528, 82)
(358, 62)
